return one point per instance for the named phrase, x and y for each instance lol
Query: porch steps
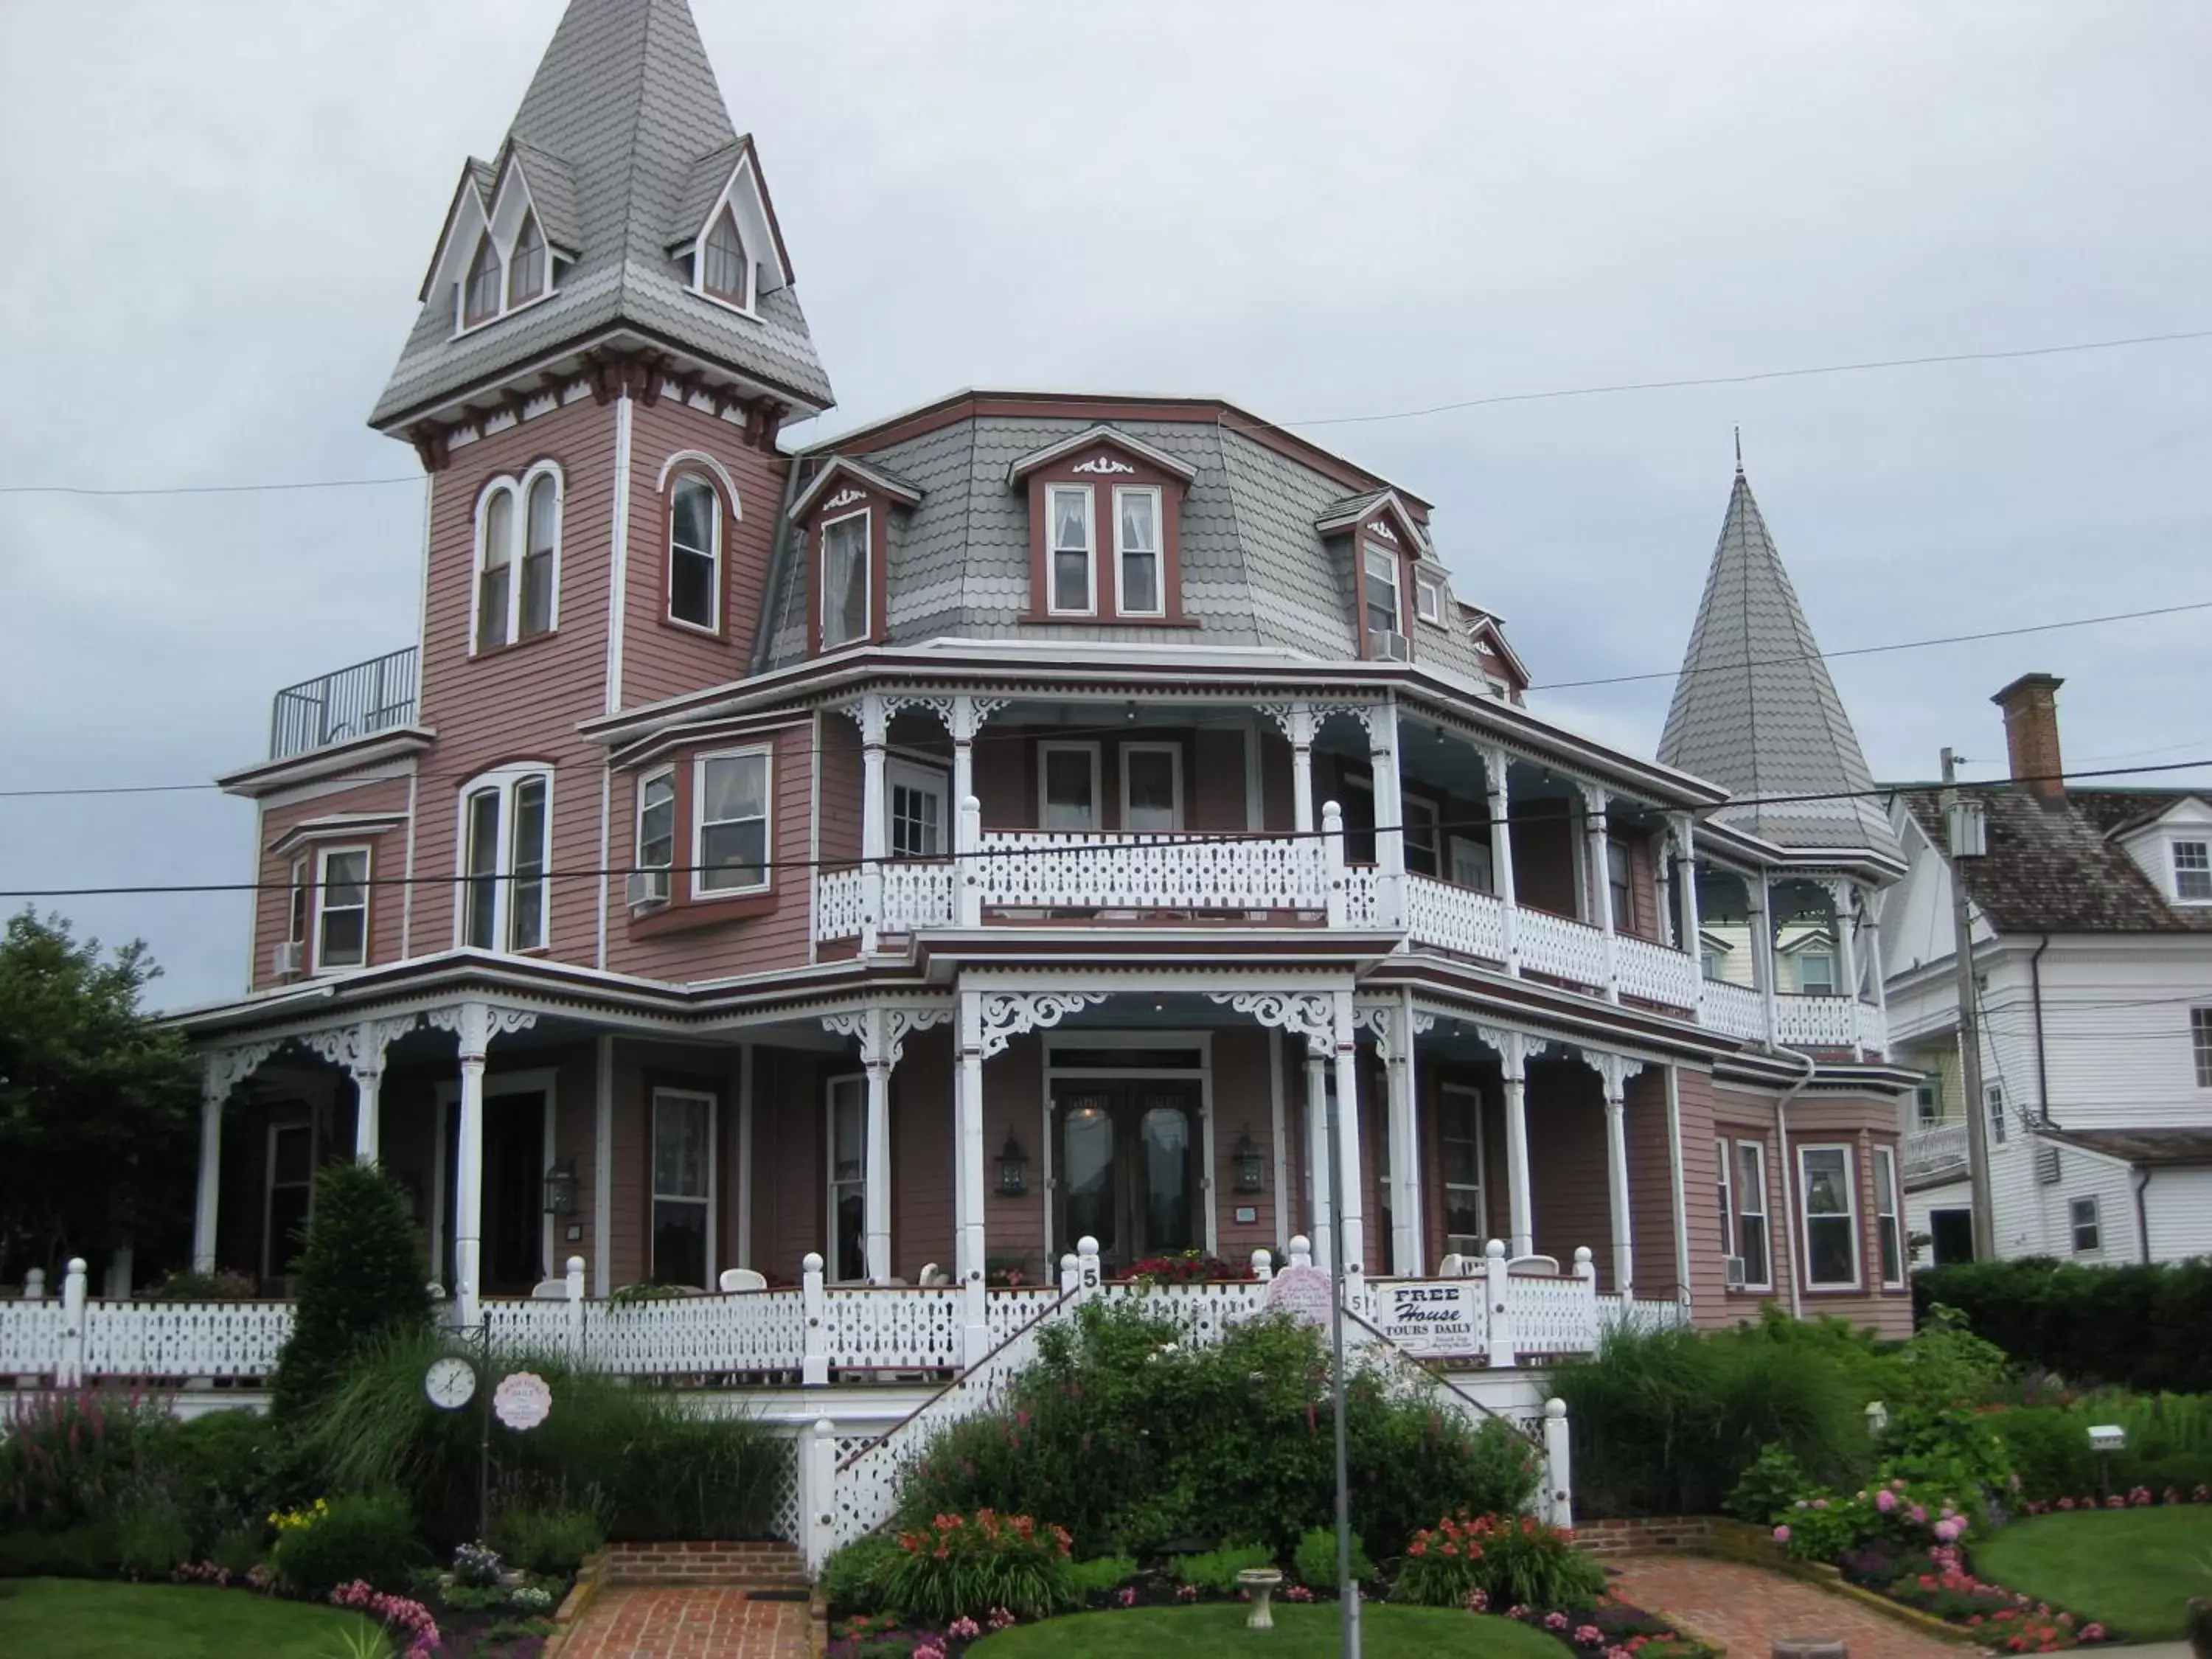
(769, 1571)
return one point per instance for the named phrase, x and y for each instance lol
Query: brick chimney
(2031, 718)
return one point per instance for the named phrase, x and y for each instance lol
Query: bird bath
(1259, 1583)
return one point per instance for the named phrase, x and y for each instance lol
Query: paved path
(697, 1623)
(1747, 1609)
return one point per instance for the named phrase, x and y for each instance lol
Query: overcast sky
(218, 216)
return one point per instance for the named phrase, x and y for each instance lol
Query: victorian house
(1029, 819)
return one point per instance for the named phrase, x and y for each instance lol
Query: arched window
(727, 273)
(480, 292)
(543, 532)
(526, 269)
(496, 570)
(506, 841)
(694, 553)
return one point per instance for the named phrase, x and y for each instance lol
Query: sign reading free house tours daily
(1435, 1316)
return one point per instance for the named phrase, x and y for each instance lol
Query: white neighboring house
(2090, 915)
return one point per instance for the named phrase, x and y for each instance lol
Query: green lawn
(78, 1619)
(2133, 1569)
(1301, 1632)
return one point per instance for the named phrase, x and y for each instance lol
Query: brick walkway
(1747, 1609)
(703, 1623)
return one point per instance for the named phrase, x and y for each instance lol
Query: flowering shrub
(371, 1539)
(961, 1566)
(286, 1520)
(476, 1563)
(2001, 1619)
(1186, 1268)
(411, 1621)
(2140, 1497)
(1520, 1560)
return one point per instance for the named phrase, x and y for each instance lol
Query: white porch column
(963, 724)
(214, 1085)
(876, 1222)
(1513, 1062)
(1686, 878)
(1597, 858)
(1351, 1221)
(1762, 950)
(1405, 1139)
(968, 1175)
(1389, 811)
(1299, 727)
(1840, 896)
(468, 1167)
(1320, 1215)
(367, 1089)
(1613, 1073)
(875, 829)
(1494, 762)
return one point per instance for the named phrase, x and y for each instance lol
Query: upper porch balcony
(345, 703)
(1490, 857)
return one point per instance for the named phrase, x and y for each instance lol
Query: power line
(1608, 390)
(1109, 842)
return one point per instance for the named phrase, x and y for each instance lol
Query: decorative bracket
(1309, 1014)
(1007, 1014)
(1613, 1072)
(476, 1023)
(1382, 1018)
(882, 1031)
(359, 1047)
(229, 1067)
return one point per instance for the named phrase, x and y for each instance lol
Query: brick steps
(764, 1570)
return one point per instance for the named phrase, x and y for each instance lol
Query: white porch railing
(1816, 1022)
(1935, 1150)
(1656, 974)
(1559, 947)
(916, 894)
(1461, 920)
(1738, 1010)
(1056, 869)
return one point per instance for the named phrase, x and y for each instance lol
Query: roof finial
(1738, 451)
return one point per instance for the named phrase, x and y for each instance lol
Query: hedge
(2148, 1328)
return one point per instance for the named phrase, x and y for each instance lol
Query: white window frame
(1816, 953)
(1746, 1189)
(655, 1197)
(1481, 1185)
(300, 904)
(1052, 605)
(518, 489)
(726, 209)
(1410, 807)
(1993, 1103)
(2198, 847)
(858, 1082)
(322, 907)
(272, 1269)
(715, 580)
(506, 781)
(1159, 552)
(1928, 1100)
(1723, 1155)
(1097, 802)
(2096, 1225)
(866, 518)
(1370, 552)
(1888, 1218)
(2200, 1043)
(462, 322)
(1428, 597)
(1173, 752)
(510, 300)
(766, 754)
(1850, 1215)
(638, 859)
(928, 780)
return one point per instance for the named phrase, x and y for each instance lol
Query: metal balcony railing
(347, 702)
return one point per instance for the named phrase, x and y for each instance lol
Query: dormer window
(1137, 552)
(480, 292)
(1382, 569)
(2192, 870)
(1428, 598)
(526, 269)
(1069, 512)
(725, 271)
(845, 580)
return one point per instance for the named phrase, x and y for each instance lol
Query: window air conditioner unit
(1732, 1266)
(646, 889)
(1387, 645)
(284, 960)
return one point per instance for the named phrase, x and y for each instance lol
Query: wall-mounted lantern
(561, 1187)
(1013, 1170)
(1251, 1165)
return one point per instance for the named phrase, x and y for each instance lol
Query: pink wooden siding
(843, 787)
(1014, 1098)
(1700, 1190)
(922, 1156)
(1242, 1104)
(1566, 1164)
(661, 659)
(1651, 1186)
(387, 864)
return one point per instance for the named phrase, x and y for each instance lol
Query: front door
(1126, 1157)
(512, 1258)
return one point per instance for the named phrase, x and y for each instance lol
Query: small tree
(359, 1282)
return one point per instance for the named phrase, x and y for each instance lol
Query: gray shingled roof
(2052, 866)
(1753, 706)
(626, 100)
(553, 192)
(1255, 571)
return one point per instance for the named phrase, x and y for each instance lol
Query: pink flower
(1885, 1500)
(1947, 1530)
(1517, 1610)
(1819, 1503)
(2092, 1632)
(965, 1628)
(929, 1650)
(1589, 1636)
(1478, 1601)
(2065, 1502)
(1555, 1621)
(1126, 1595)
(1917, 1515)
(1782, 1534)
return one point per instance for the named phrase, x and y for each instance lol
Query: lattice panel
(1455, 919)
(530, 1328)
(183, 1339)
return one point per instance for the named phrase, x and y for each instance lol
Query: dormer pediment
(467, 216)
(1104, 442)
(729, 177)
(1380, 514)
(495, 198)
(843, 474)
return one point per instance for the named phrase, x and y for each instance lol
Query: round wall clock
(450, 1382)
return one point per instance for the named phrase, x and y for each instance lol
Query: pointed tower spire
(624, 155)
(1753, 707)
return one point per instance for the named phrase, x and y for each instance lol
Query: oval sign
(1300, 1293)
(522, 1400)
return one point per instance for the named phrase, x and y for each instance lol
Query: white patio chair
(549, 1289)
(742, 1279)
(931, 1273)
(1548, 1265)
(1452, 1266)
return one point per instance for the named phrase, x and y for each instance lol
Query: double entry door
(1126, 1155)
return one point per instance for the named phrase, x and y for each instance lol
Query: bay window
(341, 908)
(1728, 1206)
(1889, 1228)
(694, 554)
(1137, 553)
(298, 905)
(1751, 1213)
(1068, 551)
(682, 1188)
(845, 580)
(730, 836)
(506, 831)
(656, 836)
(1832, 1218)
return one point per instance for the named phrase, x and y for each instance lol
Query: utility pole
(1967, 836)
(1347, 1588)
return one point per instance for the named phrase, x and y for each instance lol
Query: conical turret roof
(1754, 709)
(623, 132)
